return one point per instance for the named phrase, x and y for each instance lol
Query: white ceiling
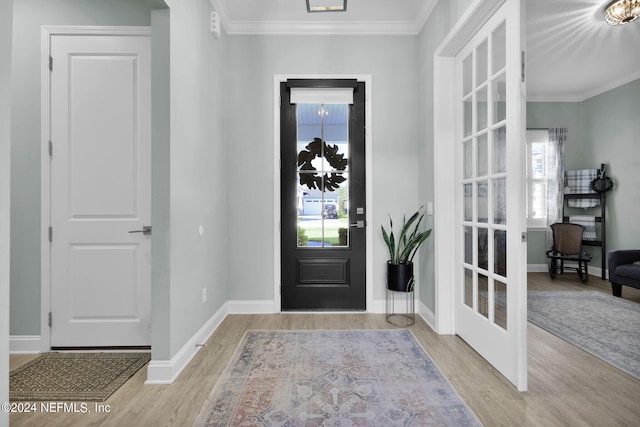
(572, 54)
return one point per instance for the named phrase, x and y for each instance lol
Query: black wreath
(337, 161)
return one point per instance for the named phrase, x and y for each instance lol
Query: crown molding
(322, 28)
(580, 97)
(237, 27)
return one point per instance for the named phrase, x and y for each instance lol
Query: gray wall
(198, 170)
(391, 61)
(610, 129)
(29, 16)
(602, 129)
(443, 18)
(6, 14)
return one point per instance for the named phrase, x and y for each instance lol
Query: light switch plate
(429, 208)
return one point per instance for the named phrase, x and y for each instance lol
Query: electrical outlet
(204, 295)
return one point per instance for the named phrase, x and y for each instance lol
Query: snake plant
(404, 248)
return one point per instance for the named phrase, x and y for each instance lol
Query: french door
(323, 198)
(490, 296)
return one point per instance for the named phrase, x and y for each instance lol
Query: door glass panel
(482, 155)
(468, 159)
(323, 184)
(468, 117)
(499, 95)
(468, 245)
(481, 63)
(483, 248)
(500, 255)
(467, 75)
(483, 295)
(500, 150)
(500, 307)
(498, 48)
(468, 287)
(468, 202)
(500, 201)
(483, 201)
(481, 100)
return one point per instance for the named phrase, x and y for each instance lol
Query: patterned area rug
(74, 376)
(333, 378)
(601, 324)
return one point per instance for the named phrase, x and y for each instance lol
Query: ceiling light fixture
(326, 6)
(620, 12)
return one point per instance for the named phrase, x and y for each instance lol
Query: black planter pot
(400, 277)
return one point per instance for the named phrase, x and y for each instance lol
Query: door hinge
(50, 234)
(522, 65)
(50, 63)
(50, 319)
(524, 236)
(50, 149)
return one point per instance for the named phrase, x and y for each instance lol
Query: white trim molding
(25, 344)
(427, 315)
(324, 27)
(166, 371)
(250, 307)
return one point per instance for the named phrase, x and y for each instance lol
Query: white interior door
(490, 297)
(100, 186)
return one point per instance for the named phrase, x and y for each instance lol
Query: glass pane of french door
(323, 175)
(484, 179)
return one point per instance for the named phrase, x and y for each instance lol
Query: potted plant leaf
(402, 250)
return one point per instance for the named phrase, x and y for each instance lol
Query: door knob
(146, 230)
(358, 224)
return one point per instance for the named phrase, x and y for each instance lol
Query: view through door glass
(323, 181)
(484, 179)
(323, 201)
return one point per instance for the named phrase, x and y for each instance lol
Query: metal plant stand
(406, 301)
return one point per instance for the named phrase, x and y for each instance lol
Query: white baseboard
(251, 307)
(543, 268)
(25, 344)
(537, 268)
(379, 306)
(427, 315)
(166, 371)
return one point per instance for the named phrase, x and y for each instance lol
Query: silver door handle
(359, 224)
(146, 230)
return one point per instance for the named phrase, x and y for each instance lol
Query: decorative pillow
(636, 263)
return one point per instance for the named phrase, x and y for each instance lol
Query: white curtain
(555, 183)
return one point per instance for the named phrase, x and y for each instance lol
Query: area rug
(74, 376)
(603, 325)
(333, 378)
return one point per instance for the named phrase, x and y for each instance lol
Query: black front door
(323, 237)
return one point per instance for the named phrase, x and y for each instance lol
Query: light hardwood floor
(567, 386)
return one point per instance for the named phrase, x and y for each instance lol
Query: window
(537, 175)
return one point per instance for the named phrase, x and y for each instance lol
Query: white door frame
(45, 168)
(471, 21)
(277, 273)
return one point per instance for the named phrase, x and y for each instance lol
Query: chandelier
(620, 12)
